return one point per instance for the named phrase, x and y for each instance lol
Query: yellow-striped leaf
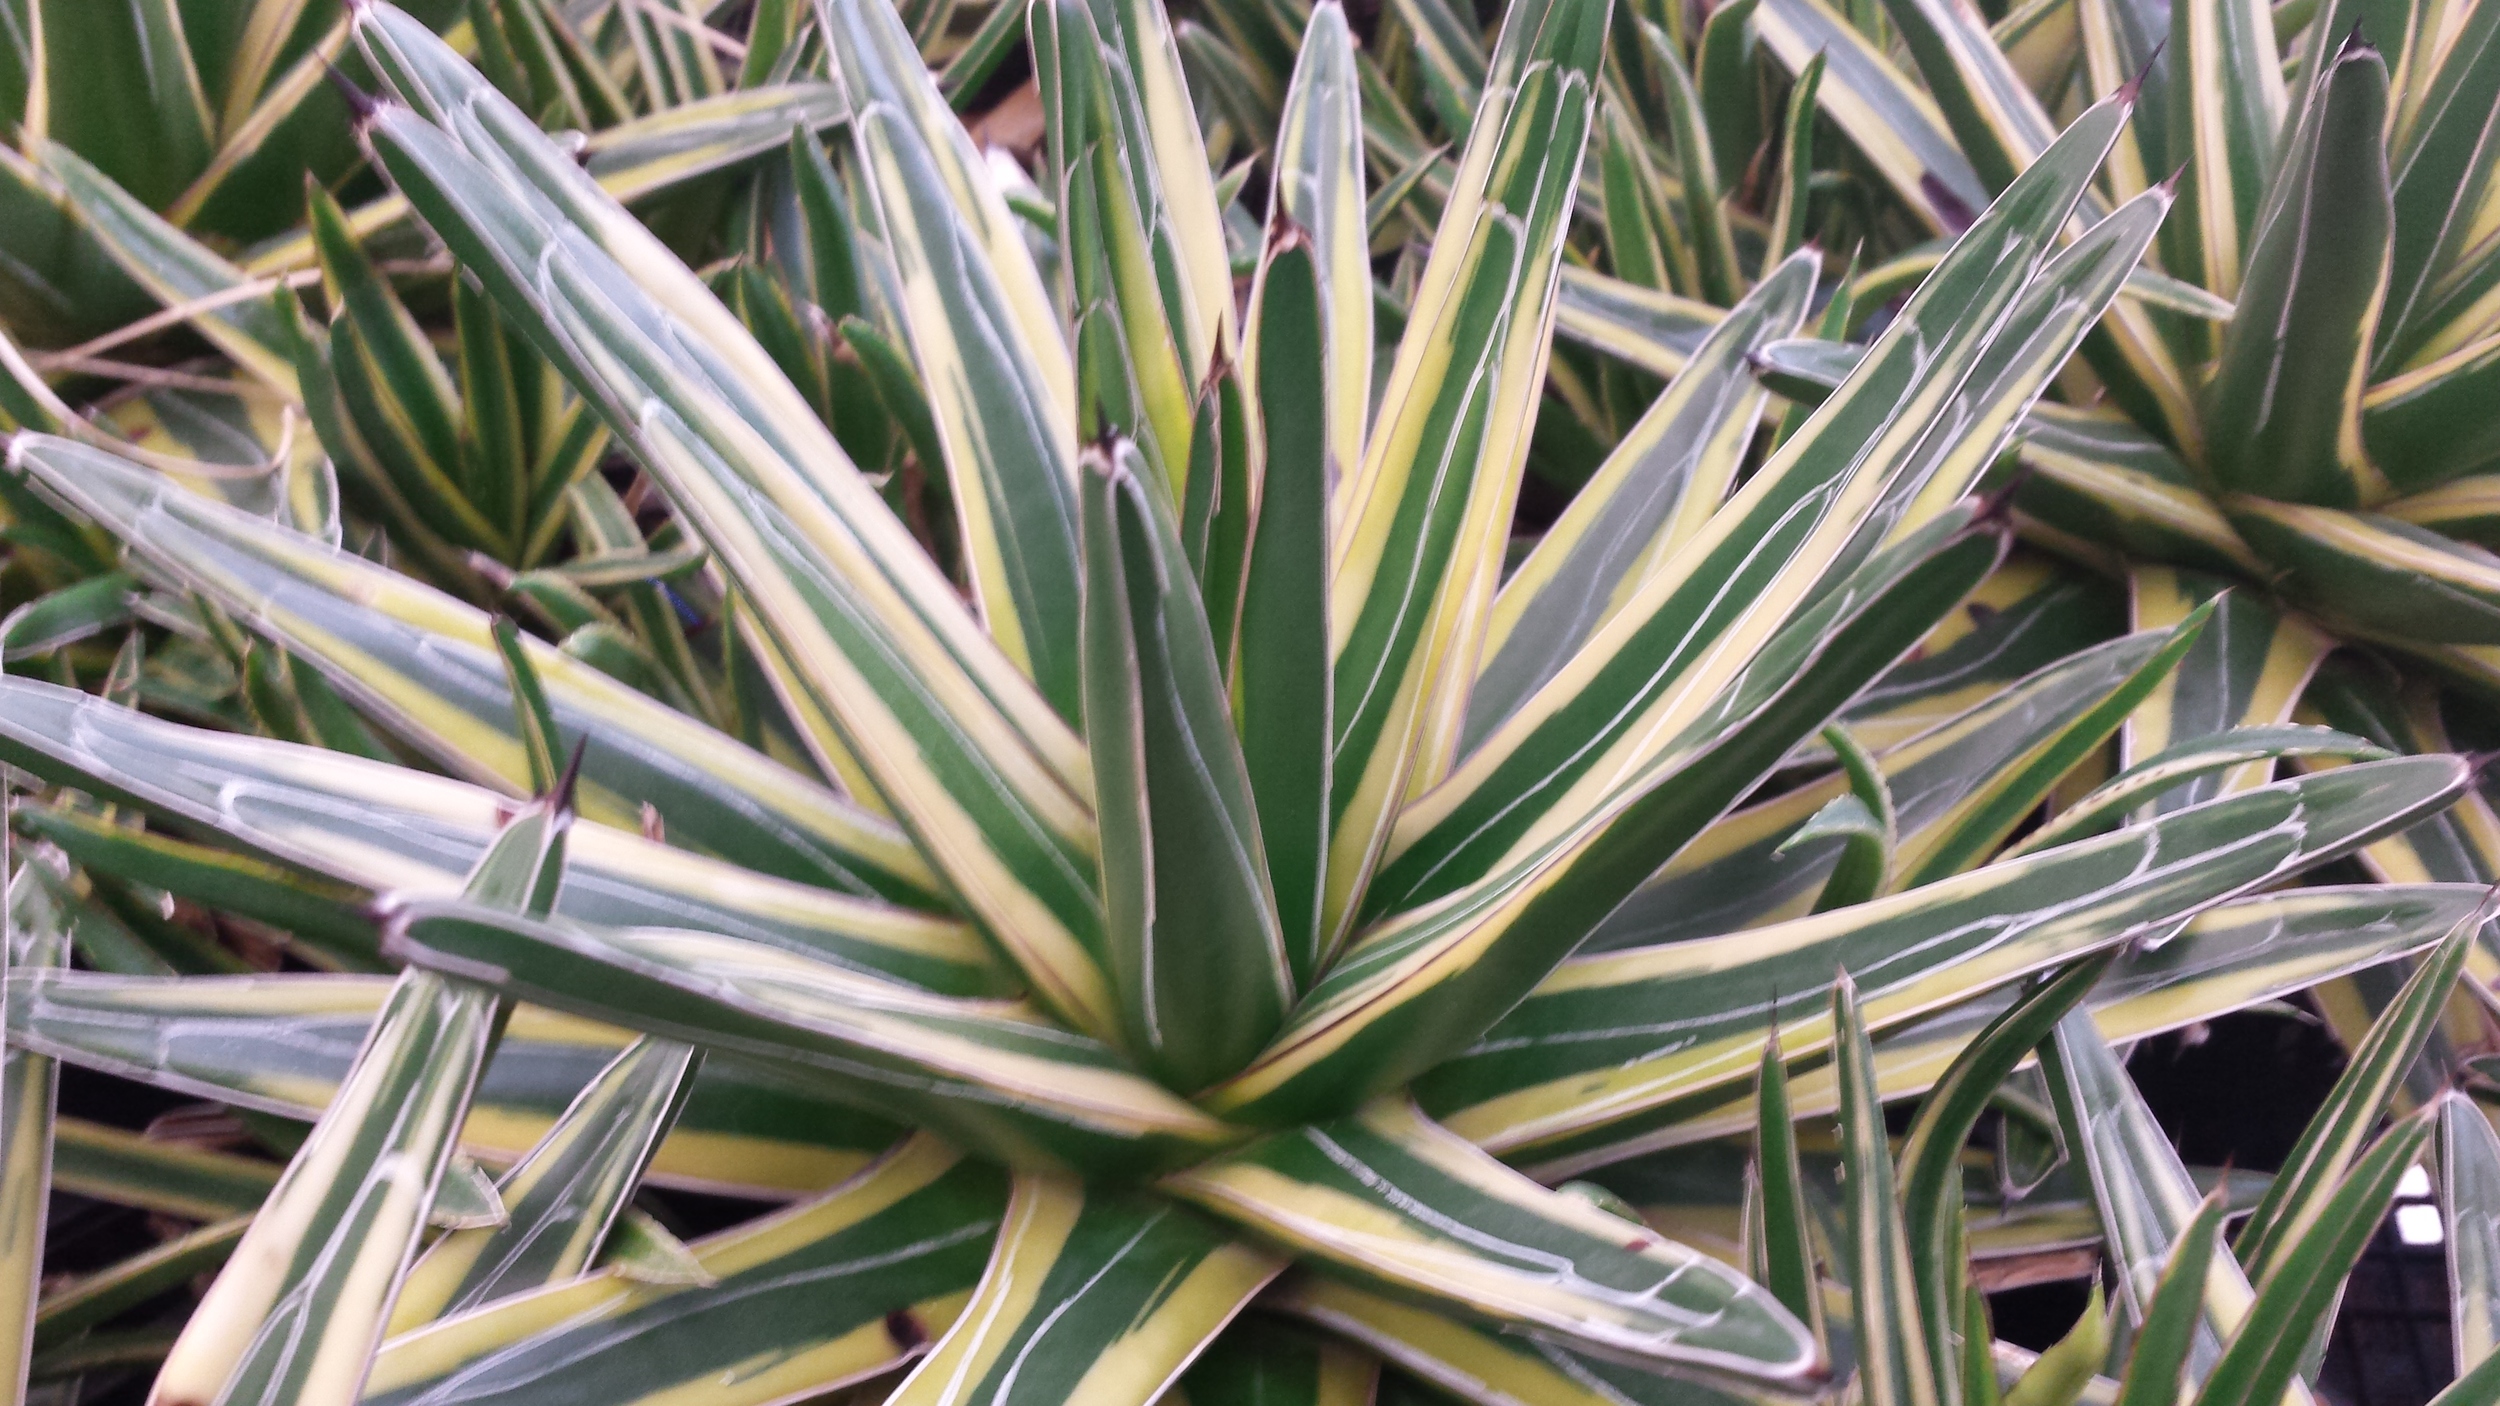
(426, 665)
(1389, 1197)
(829, 1292)
(1670, 472)
(1544, 1079)
(2248, 668)
(1318, 185)
(563, 1197)
(988, 783)
(383, 828)
(2227, 110)
(2469, 1204)
(986, 1073)
(284, 1044)
(1421, 525)
(1092, 1295)
(36, 940)
(2146, 1199)
(1902, 440)
(1006, 404)
(1418, 987)
(296, 1314)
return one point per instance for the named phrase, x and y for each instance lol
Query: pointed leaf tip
(361, 105)
(560, 800)
(2134, 86)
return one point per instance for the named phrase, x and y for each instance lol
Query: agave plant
(2315, 431)
(1118, 857)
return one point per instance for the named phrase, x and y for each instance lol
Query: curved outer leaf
(1264, 1361)
(1091, 1295)
(975, 775)
(2146, 1199)
(2296, 1299)
(2469, 1205)
(35, 938)
(1420, 986)
(283, 1045)
(1742, 872)
(1495, 1369)
(1811, 512)
(1898, 128)
(2249, 667)
(2229, 957)
(1318, 185)
(2106, 805)
(1654, 493)
(2336, 1133)
(563, 1196)
(427, 664)
(985, 339)
(823, 1294)
(295, 1316)
(1390, 1197)
(386, 828)
(2029, 614)
(2377, 576)
(1654, 331)
(2283, 411)
(1195, 952)
(2425, 427)
(1421, 525)
(632, 160)
(2099, 482)
(985, 1073)
(174, 268)
(1585, 1061)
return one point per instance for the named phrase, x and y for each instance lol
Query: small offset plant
(764, 647)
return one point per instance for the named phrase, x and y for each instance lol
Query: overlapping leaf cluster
(1256, 727)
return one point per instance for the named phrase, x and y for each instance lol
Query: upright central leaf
(1195, 952)
(1423, 523)
(2283, 415)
